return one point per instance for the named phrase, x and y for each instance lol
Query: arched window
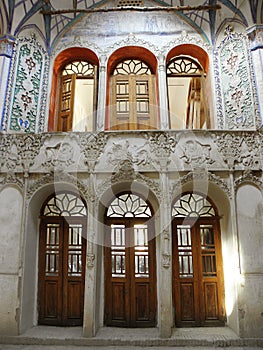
(132, 96)
(187, 98)
(197, 262)
(77, 101)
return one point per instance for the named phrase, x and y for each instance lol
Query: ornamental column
(101, 109)
(6, 50)
(255, 34)
(162, 89)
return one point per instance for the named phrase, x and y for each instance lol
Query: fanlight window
(132, 67)
(77, 96)
(132, 96)
(65, 204)
(129, 206)
(193, 205)
(187, 94)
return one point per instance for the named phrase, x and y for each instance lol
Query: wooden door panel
(187, 301)
(142, 302)
(211, 301)
(74, 300)
(51, 300)
(118, 304)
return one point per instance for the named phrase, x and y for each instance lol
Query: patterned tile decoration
(27, 88)
(236, 107)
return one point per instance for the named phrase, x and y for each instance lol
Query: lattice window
(183, 65)
(129, 205)
(132, 66)
(80, 68)
(193, 205)
(65, 204)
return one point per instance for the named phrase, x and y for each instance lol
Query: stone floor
(126, 338)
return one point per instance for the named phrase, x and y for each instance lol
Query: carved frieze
(196, 153)
(240, 149)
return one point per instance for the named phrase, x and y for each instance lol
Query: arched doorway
(198, 292)
(129, 261)
(62, 248)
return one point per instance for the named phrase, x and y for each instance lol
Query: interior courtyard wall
(250, 228)
(11, 215)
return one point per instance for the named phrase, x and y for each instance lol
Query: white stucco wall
(10, 227)
(250, 227)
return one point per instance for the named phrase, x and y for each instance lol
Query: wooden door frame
(130, 283)
(198, 280)
(63, 279)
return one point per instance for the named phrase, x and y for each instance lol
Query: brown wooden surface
(130, 301)
(61, 296)
(199, 298)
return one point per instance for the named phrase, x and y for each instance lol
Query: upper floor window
(133, 105)
(77, 101)
(187, 98)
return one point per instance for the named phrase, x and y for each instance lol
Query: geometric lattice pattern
(193, 205)
(182, 66)
(129, 205)
(131, 66)
(65, 204)
(80, 68)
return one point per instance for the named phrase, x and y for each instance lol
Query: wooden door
(132, 101)
(130, 293)
(66, 103)
(197, 273)
(62, 250)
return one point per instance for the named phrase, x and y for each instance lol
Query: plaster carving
(199, 177)
(11, 178)
(27, 88)
(196, 153)
(185, 38)
(90, 260)
(235, 93)
(248, 177)
(7, 45)
(239, 149)
(125, 173)
(54, 178)
(59, 156)
(133, 40)
(92, 146)
(123, 150)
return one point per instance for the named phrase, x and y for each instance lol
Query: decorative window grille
(129, 206)
(65, 204)
(132, 67)
(183, 65)
(80, 68)
(193, 205)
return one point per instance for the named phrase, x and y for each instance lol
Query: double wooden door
(62, 250)
(197, 273)
(130, 292)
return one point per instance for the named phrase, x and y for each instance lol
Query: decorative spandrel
(193, 205)
(129, 205)
(65, 204)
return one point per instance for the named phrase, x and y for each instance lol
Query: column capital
(6, 45)
(255, 35)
